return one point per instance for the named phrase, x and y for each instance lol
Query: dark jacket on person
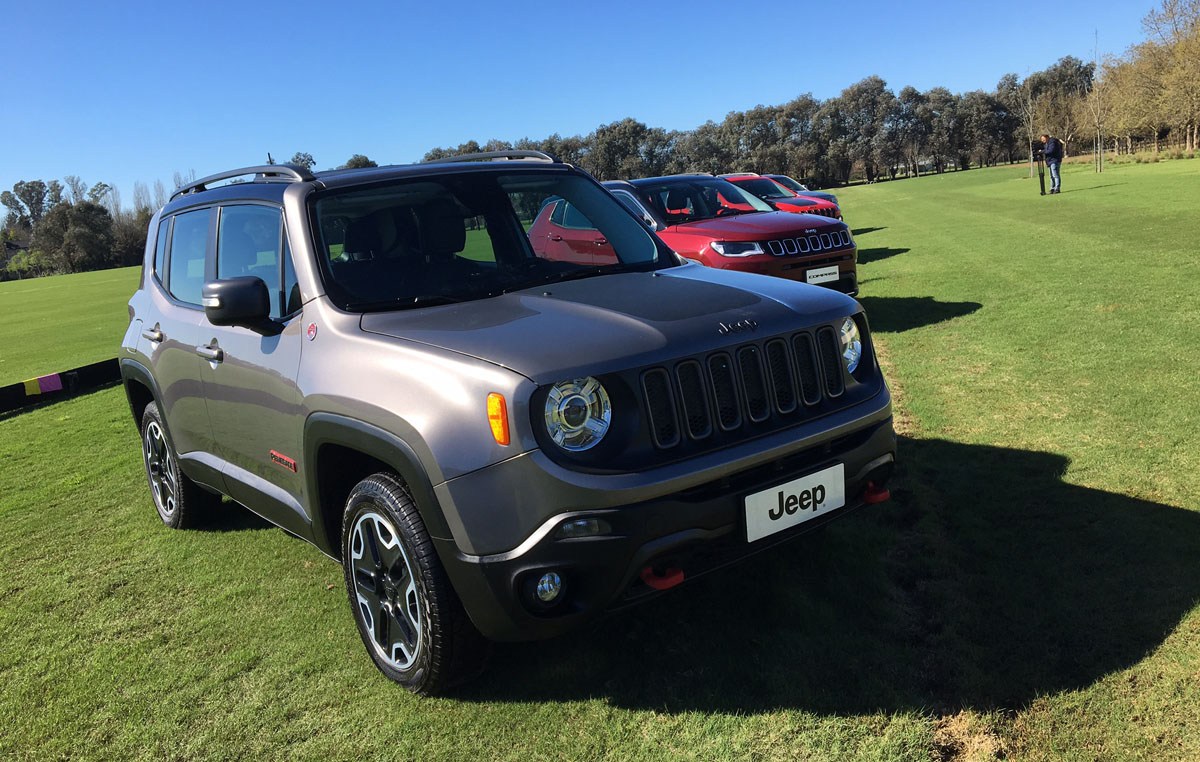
(1053, 149)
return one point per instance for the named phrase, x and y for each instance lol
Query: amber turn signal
(498, 417)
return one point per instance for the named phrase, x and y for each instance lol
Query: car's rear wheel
(408, 615)
(181, 504)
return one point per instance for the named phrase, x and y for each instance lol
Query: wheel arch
(140, 389)
(339, 452)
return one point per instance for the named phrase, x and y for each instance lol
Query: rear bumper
(696, 529)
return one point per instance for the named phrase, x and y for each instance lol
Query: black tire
(180, 502)
(411, 621)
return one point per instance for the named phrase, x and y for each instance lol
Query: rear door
(170, 340)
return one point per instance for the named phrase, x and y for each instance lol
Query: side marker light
(497, 412)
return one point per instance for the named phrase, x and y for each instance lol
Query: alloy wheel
(160, 467)
(385, 590)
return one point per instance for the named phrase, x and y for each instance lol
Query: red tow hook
(876, 494)
(665, 581)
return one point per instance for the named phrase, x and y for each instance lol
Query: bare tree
(160, 195)
(77, 188)
(141, 197)
(183, 178)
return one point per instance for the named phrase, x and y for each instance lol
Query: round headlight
(578, 413)
(851, 344)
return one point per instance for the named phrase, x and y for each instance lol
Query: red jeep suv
(783, 198)
(711, 221)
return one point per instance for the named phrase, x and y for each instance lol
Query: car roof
(652, 180)
(269, 183)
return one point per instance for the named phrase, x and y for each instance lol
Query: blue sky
(126, 91)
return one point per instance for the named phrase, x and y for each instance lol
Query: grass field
(1030, 593)
(53, 324)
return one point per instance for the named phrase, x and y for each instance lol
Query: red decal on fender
(283, 460)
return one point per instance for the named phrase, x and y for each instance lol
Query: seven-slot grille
(826, 212)
(734, 388)
(810, 244)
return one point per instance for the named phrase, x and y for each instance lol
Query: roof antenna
(269, 159)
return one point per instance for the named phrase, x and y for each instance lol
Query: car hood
(820, 195)
(753, 227)
(615, 322)
(797, 203)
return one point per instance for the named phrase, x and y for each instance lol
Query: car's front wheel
(410, 619)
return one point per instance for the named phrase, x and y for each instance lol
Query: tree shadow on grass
(986, 582)
(867, 256)
(893, 314)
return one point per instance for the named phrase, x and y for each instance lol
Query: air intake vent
(783, 383)
(695, 400)
(720, 372)
(806, 368)
(660, 404)
(831, 362)
(750, 365)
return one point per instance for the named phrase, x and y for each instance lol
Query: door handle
(211, 353)
(555, 238)
(152, 334)
(600, 241)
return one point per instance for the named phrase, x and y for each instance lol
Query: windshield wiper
(410, 302)
(589, 272)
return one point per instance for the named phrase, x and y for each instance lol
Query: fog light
(549, 587)
(582, 528)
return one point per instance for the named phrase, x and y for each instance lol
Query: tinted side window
(291, 288)
(248, 243)
(573, 218)
(557, 215)
(160, 250)
(189, 242)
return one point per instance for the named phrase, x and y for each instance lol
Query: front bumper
(695, 529)
(796, 268)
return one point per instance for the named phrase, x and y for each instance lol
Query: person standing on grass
(1053, 150)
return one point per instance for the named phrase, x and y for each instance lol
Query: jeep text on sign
(787, 505)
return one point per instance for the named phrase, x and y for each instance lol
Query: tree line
(71, 226)
(868, 132)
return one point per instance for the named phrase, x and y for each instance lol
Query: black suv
(495, 443)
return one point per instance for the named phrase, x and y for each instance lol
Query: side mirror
(240, 301)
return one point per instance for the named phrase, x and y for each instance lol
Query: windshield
(788, 182)
(688, 199)
(455, 237)
(764, 187)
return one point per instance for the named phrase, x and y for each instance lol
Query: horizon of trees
(1148, 96)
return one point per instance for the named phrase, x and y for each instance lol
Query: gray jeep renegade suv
(495, 442)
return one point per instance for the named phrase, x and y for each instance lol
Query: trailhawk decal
(280, 459)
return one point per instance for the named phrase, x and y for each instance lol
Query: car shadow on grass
(867, 256)
(856, 232)
(893, 314)
(230, 516)
(986, 582)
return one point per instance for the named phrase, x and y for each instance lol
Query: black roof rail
(495, 156)
(280, 172)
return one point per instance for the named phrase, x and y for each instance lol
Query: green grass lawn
(1030, 593)
(53, 324)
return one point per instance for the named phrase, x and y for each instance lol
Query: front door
(250, 374)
